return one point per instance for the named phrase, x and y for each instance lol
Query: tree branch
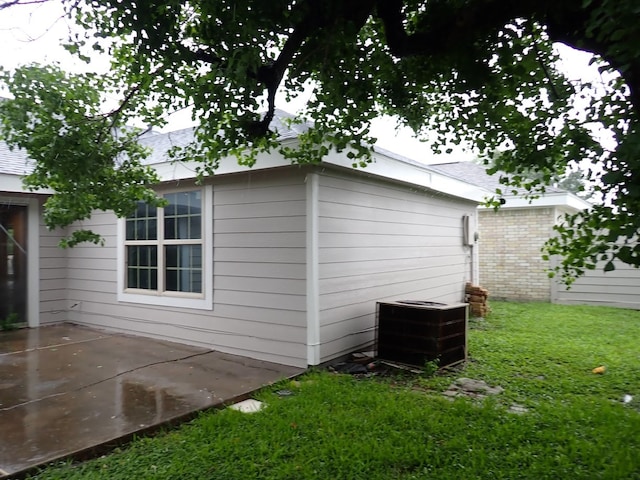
(271, 75)
(317, 20)
(201, 55)
(12, 3)
(115, 113)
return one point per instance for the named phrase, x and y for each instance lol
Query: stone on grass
(471, 388)
(248, 406)
(477, 386)
(518, 409)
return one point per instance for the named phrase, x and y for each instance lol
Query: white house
(276, 262)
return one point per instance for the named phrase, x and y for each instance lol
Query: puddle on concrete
(60, 400)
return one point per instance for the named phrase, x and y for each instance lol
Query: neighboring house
(616, 288)
(511, 264)
(511, 238)
(277, 262)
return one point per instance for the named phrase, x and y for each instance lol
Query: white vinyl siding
(617, 288)
(53, 276)
(383, 241)
(258, 275)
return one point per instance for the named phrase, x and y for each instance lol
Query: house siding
(259, 303)
(616, 288)
(53, 276)
(511, 264)
(383, 241)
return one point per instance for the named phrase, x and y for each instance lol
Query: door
(13, 264)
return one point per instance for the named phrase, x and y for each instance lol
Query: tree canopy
(476, 71)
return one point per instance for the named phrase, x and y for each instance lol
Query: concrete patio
(70, 391)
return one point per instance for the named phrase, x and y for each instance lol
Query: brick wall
(511, 265)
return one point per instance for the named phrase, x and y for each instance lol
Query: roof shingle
(477, 175)
(14, 162)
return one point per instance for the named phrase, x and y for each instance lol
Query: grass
(340, 427)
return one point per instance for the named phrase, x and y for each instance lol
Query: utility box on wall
(416, 331)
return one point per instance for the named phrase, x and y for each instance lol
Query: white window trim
(203, 301)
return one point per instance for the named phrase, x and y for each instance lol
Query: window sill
(164, 300)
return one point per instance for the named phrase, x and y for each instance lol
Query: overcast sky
(34, 34)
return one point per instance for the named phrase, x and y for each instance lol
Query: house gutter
(313, 275)
(11, 183)
(33, 263)
(559, 199)
(394, 167)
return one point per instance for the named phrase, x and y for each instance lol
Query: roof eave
(565, 200)
(384, 165)
(389, 166)
(10, 183)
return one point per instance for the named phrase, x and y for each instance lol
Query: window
(163, 256)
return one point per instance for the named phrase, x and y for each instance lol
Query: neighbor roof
(476, 174)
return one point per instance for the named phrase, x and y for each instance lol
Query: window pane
(142, 278)
(171, 280)
(131, 228)
(142, 223)
(170, 209)
(132, 278)
(171, 260)
(152, 229)
(169, 227)
(195, 229)
(183, 268)
(154, 278)
(142, 267)
(182, 217)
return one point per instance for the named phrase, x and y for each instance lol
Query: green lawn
(337, 427)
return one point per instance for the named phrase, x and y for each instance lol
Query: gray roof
(475, 174)
(160, 143)
(14, 162)
(402, 158)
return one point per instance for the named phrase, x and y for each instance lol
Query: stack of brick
(477, 300)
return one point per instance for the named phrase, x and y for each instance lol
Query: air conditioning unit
(415, 332)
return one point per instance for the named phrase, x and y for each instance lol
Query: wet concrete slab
(67, 390)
